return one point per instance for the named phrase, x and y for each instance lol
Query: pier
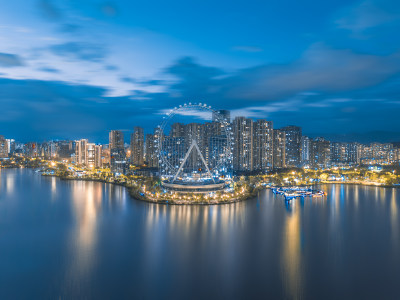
(297, 192)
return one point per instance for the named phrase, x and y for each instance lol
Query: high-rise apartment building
(292, 143)
(305, 151)
(320, 153)
(88, 154)
(339, 153)
(3, 147)
(31, 149)
(151, 151)
(98, 159)
(80, 151)
(117, 152)
(376, 153)
(177, 130)
(195, 131)
(353, 153)
(11, 145)
(137, 146)
(116, 139)
(243, 144)
(263, 145)
(279, 148)
(65, 149)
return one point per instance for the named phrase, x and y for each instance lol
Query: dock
(297, 192)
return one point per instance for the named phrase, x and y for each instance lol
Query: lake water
(89, 240)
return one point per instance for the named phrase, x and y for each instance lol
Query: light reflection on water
(291, 259)
(90, 240)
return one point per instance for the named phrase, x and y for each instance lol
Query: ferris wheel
(194, 152)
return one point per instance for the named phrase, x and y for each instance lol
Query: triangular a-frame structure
(191, 148)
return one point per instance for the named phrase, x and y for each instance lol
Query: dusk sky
(79, 68)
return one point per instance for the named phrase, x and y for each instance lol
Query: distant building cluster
(257, 147)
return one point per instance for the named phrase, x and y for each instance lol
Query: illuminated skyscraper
(279, 144)
(116, 139)
(3, 147)
(80, 151)
(320, 153)
(305, 151)
(263, 145)
(177, 130)
(243, 144)
(31, 149)
(117, 152)
(151, 153)
(11, 145)
(292, 144)
(137, 146)
(339, 153)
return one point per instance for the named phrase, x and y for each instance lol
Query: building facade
(3, 147)
(293, 145)
(279, 146)
(243, 144)
(137, 146)
(305, 151)
(263, 145)
(320, 153)
(117, 152)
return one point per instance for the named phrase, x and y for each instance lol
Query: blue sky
(73, 69)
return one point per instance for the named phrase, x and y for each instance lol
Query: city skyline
(199, 149)
(257, 146)
(77, 69)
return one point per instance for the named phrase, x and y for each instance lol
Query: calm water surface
(74, 239)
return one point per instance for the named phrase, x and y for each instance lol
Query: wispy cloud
(368, 14)
(109, 9)
(80, 51)
(8, 60)
(199, 114)
(49, 10)
(49, 70)
(321, 68)
(250, 49)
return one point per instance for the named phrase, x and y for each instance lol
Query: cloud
(109, 9)
(320, 69)
(80, 51)
(193, 80)
(8, 60)
(50, 109)
(128, 79)
(368, 14)
(250, 49)
(49, 70)
(49, 10)
(111, 68)
(70, 28)
(198, 114)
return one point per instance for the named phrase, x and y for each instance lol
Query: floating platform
(195, 187)
(297, 192)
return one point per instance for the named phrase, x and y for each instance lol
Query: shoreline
(136, 195)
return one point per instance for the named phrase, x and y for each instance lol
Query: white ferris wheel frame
(163, 161)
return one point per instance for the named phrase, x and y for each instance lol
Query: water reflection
(93, 241)
(87, 198)
(53, 188)
(292, 276)
(394, 220)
